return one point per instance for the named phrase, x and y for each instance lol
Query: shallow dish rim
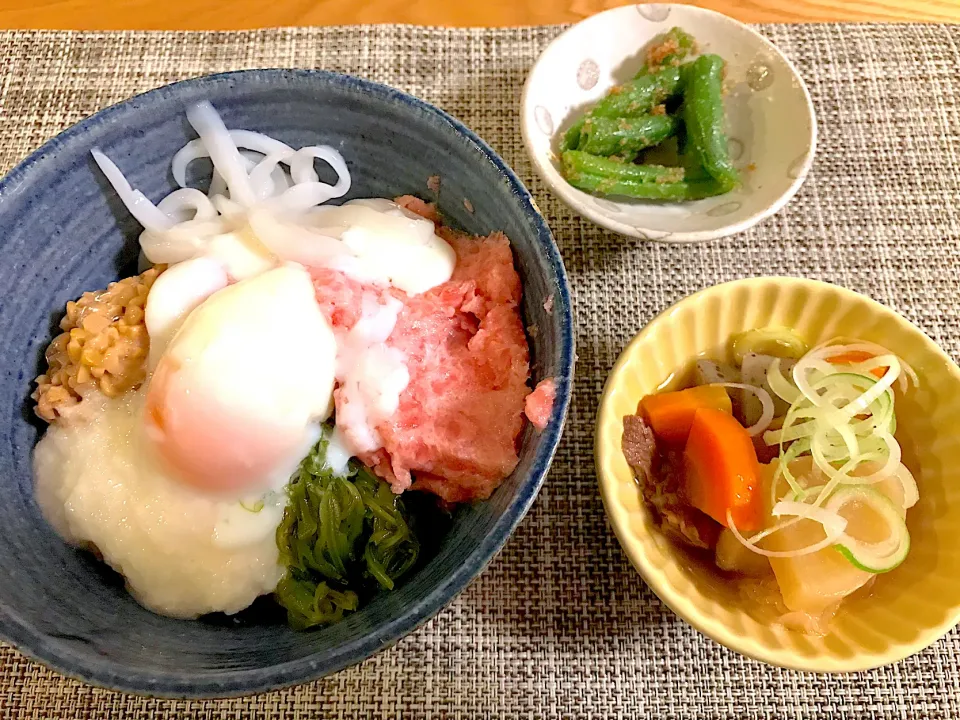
(634, 547)
(568, 194)
(36, 646)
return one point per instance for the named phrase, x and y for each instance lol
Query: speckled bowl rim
(244, 682)
(634, 548)
(564, 191)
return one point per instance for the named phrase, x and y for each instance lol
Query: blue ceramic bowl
(63, 232)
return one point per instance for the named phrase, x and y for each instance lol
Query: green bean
(571, 138)
(639, 96)
(693, 169)
(608, 136)
(668, 191)
(705, 121)
(670, 48)
(576, 163)
(649, 182)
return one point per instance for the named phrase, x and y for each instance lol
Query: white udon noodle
(251, 172)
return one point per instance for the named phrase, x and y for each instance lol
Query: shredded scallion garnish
(841, 416)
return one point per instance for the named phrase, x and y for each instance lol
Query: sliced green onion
(832, 523)
(844, 345)
(829, 541)
(780, 385)
(843, 417)
(911, 493)
(855, 407)
(766, 417)
(783, 467)
(807, 492)
(878, 557)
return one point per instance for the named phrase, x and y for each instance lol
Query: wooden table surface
(238, 14)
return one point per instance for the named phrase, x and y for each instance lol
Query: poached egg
(239, 392)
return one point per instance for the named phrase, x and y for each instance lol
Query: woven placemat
(560, 625)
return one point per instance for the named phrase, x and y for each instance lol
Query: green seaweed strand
(340, 536)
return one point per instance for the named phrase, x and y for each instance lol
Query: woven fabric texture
(560, 625)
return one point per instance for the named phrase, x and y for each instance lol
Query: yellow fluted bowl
(908, 608)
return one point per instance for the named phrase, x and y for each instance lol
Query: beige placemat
(560, 625)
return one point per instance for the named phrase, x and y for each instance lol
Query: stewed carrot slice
(852, 357)
(670, 414)
(721, 470)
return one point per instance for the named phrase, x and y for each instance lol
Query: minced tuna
(457, 427)
(539, 404)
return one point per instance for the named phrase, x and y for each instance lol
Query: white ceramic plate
(772, 125)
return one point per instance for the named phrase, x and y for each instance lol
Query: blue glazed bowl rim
(243, 682)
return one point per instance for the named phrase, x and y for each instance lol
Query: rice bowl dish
(242, 417)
